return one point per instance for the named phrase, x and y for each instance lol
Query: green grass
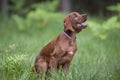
(95, 59)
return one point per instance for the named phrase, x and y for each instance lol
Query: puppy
(59, 52)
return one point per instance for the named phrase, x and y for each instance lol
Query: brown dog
(60, 51)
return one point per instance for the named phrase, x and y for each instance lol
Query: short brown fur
(59, 52)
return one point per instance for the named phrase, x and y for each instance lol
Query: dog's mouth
(81, 25)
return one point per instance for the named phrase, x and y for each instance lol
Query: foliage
(37, 19)
(102, 30)
(115, 8)
(47, 5)
(41, 18)
(95, 59)
(94, 7)
(17, 7)
(19, 22)
(22, 7)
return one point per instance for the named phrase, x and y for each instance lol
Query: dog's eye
(74, 18)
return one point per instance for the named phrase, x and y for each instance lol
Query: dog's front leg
(53, 64)
(65, 68)
(65, 61)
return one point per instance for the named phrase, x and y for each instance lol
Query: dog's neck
(71, 38)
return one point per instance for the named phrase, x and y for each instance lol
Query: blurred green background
(27, 25)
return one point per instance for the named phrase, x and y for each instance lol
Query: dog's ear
(69, 17)
(67, 21)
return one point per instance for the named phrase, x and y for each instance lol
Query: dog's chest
(65, 51)
(69, 48)
(69, 51)
(66, 55)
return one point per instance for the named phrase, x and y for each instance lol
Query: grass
(95, 59)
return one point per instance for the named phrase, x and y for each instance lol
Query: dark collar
(73, 39)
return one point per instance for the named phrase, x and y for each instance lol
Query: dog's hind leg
(41, 66)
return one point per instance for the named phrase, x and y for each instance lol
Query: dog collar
(71, 38)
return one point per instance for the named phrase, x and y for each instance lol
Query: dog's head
(74, 22)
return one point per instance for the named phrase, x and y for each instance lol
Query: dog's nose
(84, 15)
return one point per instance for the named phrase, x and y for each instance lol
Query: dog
(58, 53)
